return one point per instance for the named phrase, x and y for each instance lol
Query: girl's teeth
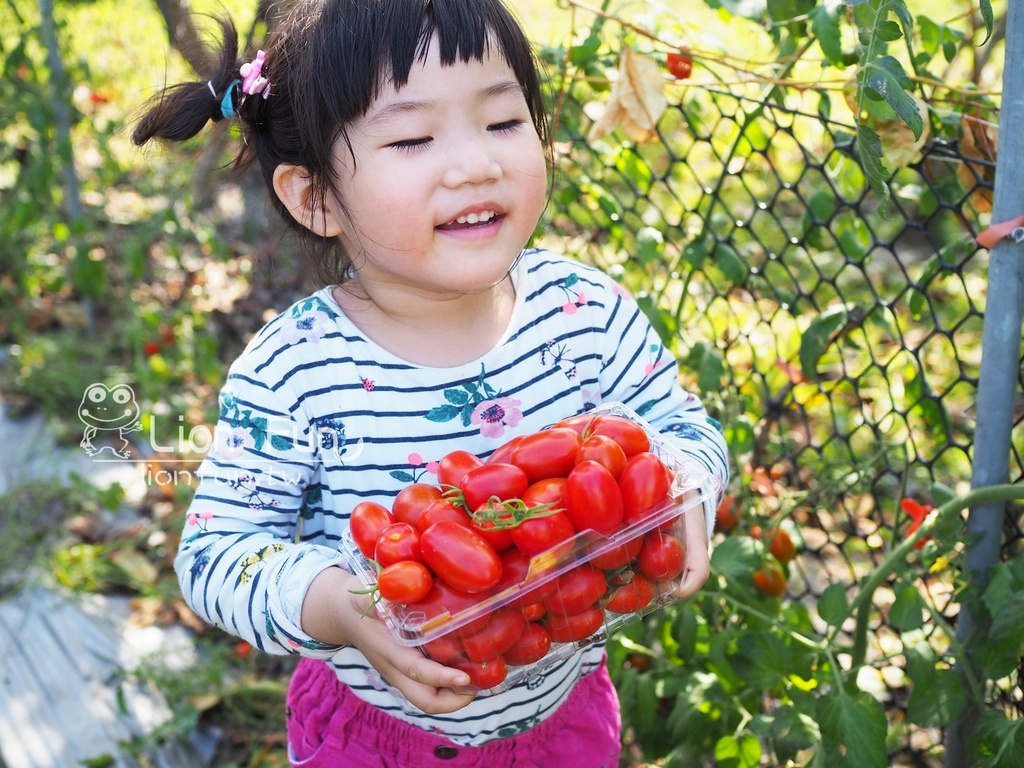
(475, 218)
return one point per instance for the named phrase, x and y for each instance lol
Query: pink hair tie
(252, 81)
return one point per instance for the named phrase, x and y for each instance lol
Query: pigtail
(181, 111)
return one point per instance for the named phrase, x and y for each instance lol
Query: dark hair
(327, 60)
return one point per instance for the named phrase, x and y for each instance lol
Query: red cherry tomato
(532, 646)
(633, 596)
(592, 498)
(618, 556)
(575, 627)
(576, 589)
(460, 557)
(445, 602)
(539, 534)
(496, 636)
(515, 568)
(503, 453)
(484, 674)
(505, 481)
(548, 453)
(604, 451)
(679, 65)
(397, 542)
(406, 581)
(630, 436)
(645, 485)
(534, 611)
(728, 514)
(367, 521)
(412, 500)
(782, 546)
(442, 509)
(444, 649)
(662, 556)
(770, 579)
(453, 467)
(500, 539)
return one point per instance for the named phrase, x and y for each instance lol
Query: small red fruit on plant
(679, 65)
(782, 546)
(770, 579)
(729, 513)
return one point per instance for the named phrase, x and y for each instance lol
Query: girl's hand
(333, 612)
(698, 562)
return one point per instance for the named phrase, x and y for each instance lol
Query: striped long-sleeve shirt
(315, 417)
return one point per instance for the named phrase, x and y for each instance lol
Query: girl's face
(449, 179)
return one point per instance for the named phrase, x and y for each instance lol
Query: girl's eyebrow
(395, 109)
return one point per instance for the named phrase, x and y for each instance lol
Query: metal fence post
(1000, 368)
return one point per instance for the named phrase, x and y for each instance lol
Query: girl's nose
(471, 164)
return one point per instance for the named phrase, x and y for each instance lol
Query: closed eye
(506, 127)
(408, 145)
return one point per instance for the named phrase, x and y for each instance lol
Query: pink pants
(330, 727)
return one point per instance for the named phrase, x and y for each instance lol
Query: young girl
(405, 140)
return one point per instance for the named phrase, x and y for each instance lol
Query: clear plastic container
(618, 583)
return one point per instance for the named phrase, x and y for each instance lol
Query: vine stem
(862, 603)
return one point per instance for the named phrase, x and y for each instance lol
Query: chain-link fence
(838, 343)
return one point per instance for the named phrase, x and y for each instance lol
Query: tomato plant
(782, 546)
(367, 522)
(770, 579)
(460, 557)
(728, 514)
(404, 581)
(592, 498)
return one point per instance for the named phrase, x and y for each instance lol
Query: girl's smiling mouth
(475, 219)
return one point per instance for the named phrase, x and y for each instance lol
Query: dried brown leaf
(637, 100)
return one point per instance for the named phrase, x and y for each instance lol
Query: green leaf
(825, 28)
(280, 443)
(853, 730)
(650, 244)
(907, 610)
(792, 731)
(1000, 739)
(816, 339)
(885, 76)
(732, 266)
(402, 477)
(985, 6)
(832, 605)
(869, 151)
(889, 31)
(736, 557)
(742, 752)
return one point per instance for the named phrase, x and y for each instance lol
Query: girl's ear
(294, 187)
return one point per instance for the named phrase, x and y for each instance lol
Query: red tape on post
(989, 237)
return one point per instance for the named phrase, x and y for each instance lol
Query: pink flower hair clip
(252, 81)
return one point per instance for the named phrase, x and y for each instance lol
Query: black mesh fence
(838, 342)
